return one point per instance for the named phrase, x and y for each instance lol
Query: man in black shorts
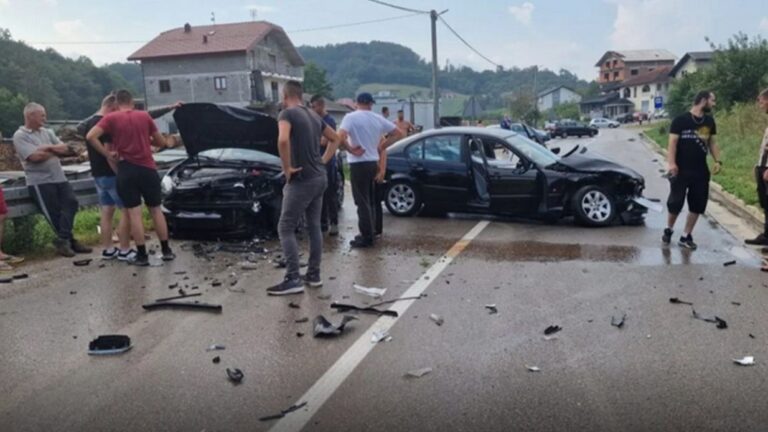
(133, 133)
(691, 138)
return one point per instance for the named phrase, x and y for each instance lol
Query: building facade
(644, 90)
(239, 64)
(553, 97)
(692, 62)
(617, 66)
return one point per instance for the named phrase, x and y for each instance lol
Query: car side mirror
(555, 150)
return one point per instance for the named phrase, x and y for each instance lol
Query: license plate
(650, 205)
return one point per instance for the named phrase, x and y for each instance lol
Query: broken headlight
(166, 185)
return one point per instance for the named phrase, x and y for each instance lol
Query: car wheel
(592, 135)
(594, 206)
(402, 198)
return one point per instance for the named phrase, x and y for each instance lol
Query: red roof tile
(659, 75)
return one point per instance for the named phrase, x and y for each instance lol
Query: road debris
(215, 347)
(20, 276)
(299, 334)
(552, 330)
(418, 373)
(343, 307)
(216, 360)
(82, 262)
(491, 309)
(235, 375)
(533, 368)
(248, 265)
(324, 297)
(675, 300)
(173, 285)
(437, 319)
(301, 320)
(745, 361)
(751, 336)
(380, 335)
(736, 303)
(323, 328)
(282, 413)
(371, 292)
(181, 296)
(6, 280)
(293, 305)
(721, 324)
(182, 305)
(618, 322)
(109, 345)
(729, 263)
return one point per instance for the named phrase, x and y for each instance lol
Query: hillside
(69, 89)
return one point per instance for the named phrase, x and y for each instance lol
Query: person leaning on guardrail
(39, 149)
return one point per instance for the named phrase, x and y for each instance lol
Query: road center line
(332, 379)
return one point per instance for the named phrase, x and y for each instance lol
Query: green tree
(739, 69)
(315, 80)
(567, 111)
(11, 111)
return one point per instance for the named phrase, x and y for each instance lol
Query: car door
(441, 170)
(513, 180)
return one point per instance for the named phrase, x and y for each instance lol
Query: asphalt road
(663, 370)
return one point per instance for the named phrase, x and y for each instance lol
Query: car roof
(456, 130)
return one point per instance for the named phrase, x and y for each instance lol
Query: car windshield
(533, 151)
(237, 154)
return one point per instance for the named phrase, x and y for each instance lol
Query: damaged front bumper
(225, 221)
(635, 210)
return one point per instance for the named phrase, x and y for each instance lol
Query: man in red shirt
(133, 133)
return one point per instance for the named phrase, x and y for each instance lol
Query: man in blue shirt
(329, 219)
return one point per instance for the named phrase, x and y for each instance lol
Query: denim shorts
(106, 187)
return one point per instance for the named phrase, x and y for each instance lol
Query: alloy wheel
(596, 206)
(401, 198)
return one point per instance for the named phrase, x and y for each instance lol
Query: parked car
(660, 114)
(603, 122)
(568, 128)
(530, 133)
(231, 184)
(640, 116)
(435, 170)
(624, 118)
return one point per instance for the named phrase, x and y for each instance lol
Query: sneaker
(79, 247)
(361, 243)
(760, 240)
(109, 254)
(169, 255)
(286, 287)
(666, 238)
(140, 260)
(333, 231)
(687, 242)
(63, 248)
(313, 279)
(128, 255)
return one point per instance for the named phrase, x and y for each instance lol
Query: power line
(399, 7)
(467, 43)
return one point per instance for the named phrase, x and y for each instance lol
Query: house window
(634, 90)
(646, 88)
(608, 64)
(606, 76)
(275, 95)
(616, 75)
(220, 83)
(165, 86)
(273, 62)
(658, 86)
(627, 92)
(634, 72)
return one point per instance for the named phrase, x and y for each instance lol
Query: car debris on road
(343, 307)
(418, 373)
(235, 375)
(380, 335)
(282, 413)
(437, 319)
(371, 292)
(675, 300)
(745, 361)
(323, 328)
(109, 345)
(552, 330)
(618, 322)
(492, 309)
(721, 324)
(533, 368)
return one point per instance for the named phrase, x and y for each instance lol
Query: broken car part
(322, 327)
(182, 305)
(371, 292)
(216, 347)
(177, 297)
(282, 413)
(82, 262)
(380, 335)
(745, 361)
(20, 276)
(437, 319)
(109, 345)
(721, 324)
(342, 307)
(729, 263)
(491, 309)
(235, 375)
(675, 300)
(533, 368)
(552, 330)
(418, 373)
(618, 321)
(216, 360)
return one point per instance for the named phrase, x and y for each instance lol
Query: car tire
(594, 206)
(402, 198)
(592, 134)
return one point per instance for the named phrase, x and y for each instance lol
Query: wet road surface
(663, 370)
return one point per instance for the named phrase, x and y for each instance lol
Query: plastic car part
(418, 373)
(20, 276)
(178, 297)
(82, 262)
(216, 347)
(618, 322)
(282, 413)
(533, 368)
(371, 292)
(342, 307)
(745, 361)
(491, 309)
(721, 324)
(182, 305)
(437, 319)
(552, 330)
(323, 328)
(675, 300)
(235, 375)
(109, 345)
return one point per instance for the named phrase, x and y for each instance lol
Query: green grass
(739, 133)
(32, 236)
(449, 107)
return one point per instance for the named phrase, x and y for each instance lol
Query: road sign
(658, 102)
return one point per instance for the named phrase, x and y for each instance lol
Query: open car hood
(206, 126)
(597, 164)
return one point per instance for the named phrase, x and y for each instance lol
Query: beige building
(642, 90)
(692, 62)
(617, 66)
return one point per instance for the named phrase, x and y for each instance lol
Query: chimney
(205, 39)
(187, 28)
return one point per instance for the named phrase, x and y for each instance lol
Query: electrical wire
(399, 7)
(467, 43)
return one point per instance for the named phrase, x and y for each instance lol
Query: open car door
(478, 171)
(514, 181)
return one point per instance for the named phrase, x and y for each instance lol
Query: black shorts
(693, 187)
(135, 182)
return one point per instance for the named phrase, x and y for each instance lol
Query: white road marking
(322, 390)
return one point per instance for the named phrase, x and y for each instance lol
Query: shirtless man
(404, 125)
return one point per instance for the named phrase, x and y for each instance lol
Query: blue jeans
(106, 187)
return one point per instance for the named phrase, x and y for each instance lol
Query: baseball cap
(365, 98)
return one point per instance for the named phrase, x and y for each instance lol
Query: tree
(315, 81)
(522, 107)
(567, 111)
(11, 111)
(739, 69)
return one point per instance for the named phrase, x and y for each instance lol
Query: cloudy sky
(549, 33)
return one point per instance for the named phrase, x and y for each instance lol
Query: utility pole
(435, 95)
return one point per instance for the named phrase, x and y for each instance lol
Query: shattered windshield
(533, 151)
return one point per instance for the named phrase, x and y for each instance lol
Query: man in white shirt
(364, 129)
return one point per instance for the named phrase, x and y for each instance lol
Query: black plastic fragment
(492, 309)
(552, 329)
(302, 320)
(282, 413)
(618, 322)
(216, 360)
(675, 300)
(182, 305)
(721, 324)
(235, 375)
(323, 328)
(109, 345)
(299, 334)
(173, 285)
(216, 284)
(342, 307)
(82, 262)
(729, 263)
(293, 305)
(20, 276)
(178, 297)
(6, 280)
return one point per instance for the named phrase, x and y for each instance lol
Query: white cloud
(51, 2)
(651, 24)
(68, 29)
(764, 24)
(523, 12)
(4, 3)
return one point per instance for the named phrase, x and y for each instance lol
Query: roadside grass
(31, 236)
(739, 132)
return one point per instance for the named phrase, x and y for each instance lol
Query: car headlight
(166, 185)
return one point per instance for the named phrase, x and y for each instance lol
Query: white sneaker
(128, 255)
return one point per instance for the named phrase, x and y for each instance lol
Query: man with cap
(364, 128)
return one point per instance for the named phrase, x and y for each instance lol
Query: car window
(443, 148)
(533, 151)
(414, 151)
(501, 155)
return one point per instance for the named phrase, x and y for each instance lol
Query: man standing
(133, 133)
(385, 112)
(761, 175)
(298, 144)
(5, 259)
(39, 150)
(329, 217)
(364, 129)
(691, 138)
(405, 127)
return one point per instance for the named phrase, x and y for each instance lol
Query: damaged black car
(497, 171)
(231, 184)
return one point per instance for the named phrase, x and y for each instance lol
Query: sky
(553, 34)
